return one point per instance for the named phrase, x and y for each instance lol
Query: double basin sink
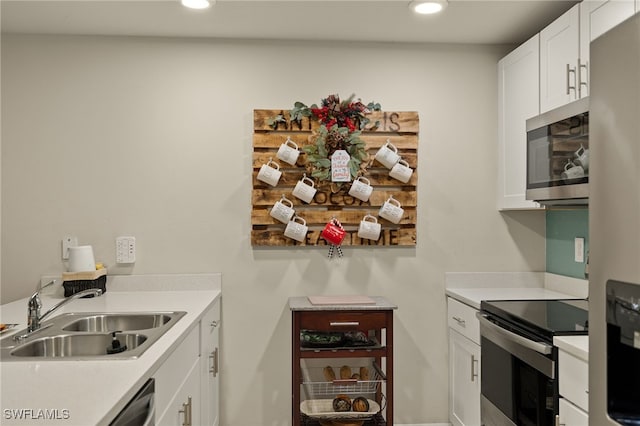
(91, 336)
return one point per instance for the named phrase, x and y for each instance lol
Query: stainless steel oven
(519, 362)
(623, 352)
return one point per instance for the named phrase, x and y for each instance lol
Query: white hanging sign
(340, 166)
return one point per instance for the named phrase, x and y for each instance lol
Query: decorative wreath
(341, 124)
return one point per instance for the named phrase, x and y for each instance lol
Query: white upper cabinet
(564, 48)
(559, 60)
(596, 18)
(518, 100)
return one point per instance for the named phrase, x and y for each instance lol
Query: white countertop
(93, 392)
(473, 296)
(577, 346)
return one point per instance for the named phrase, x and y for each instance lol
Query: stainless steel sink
(77, 345)
(118, 322)
(90, 336)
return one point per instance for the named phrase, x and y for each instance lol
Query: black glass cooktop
(547, 318)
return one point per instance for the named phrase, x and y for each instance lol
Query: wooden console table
(375, 321)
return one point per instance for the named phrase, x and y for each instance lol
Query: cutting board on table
(341, 300)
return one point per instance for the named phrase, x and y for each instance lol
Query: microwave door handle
(539, 347)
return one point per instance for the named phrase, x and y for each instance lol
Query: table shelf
(307, 380)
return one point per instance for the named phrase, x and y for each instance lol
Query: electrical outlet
(578, 244)
(68, 241)
(126, 250)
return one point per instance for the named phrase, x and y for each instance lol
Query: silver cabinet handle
(569, 71)
(186, 410)
(582, 81)
(344, 323)
(214, 363)
(460, 321)
(474, 372)
(214, 324)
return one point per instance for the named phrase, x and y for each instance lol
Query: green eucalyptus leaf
(353, 168)
(324, 162)
(310, 149)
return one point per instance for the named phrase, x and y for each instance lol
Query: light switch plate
(126, 250)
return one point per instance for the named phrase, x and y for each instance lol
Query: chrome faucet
(34, 318)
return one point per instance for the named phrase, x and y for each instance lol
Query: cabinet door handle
(214, 363)
(214, 324)
(460, 321)
(344, 323)
(186, 411)
(474, 372)
(582, 81)
(569, 71)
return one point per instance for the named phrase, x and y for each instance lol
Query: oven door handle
(539, 347)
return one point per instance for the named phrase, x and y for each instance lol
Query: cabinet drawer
(173, 371)
(343, 321)
(573, 379)
(570, 415)
(462, 318)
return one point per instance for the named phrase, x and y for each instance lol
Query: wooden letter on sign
(400, 128)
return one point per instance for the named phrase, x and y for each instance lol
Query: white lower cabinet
(176, 383)
(210, 366)
(570, 415)
(464, 364)
(184, 409)
(464, 380)
(573, 386)
(187, 383)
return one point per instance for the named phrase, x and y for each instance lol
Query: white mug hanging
(282, 210)
(270, 173)
(296, 229)
(369, 228)
(288, 152)
(305, 189)
(387, 155)
(361, 188)
(401, 171)
(392, 210)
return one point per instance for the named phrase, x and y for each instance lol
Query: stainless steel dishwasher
(140, 411)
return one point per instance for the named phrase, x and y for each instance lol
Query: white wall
(153, 138)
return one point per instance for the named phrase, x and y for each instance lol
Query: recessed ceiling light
(196, 4)
(428, 7)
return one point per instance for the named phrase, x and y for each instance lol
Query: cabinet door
(173, 371)
(518, 100)
(559, 53)
(210, 365)
(570, 415)
(184, 408)
(596, 18)
(464, 380)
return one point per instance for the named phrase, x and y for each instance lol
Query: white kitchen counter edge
(577, 346)
(94, 392)
(471, 288)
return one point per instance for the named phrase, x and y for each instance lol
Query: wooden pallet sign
(332, 200)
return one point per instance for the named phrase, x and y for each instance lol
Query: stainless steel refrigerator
(614, 227)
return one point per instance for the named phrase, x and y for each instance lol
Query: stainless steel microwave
(558, 155)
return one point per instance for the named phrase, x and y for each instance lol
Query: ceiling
(473, 21)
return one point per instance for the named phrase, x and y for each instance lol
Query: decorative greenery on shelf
(341, 124)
